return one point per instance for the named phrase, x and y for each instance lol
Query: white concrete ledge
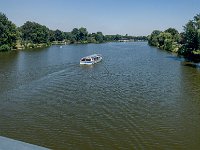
(10, 144)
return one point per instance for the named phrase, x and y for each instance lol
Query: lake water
(138, 97)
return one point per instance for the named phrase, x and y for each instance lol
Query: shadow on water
(185, 62)
(190, 64)
(176, 58)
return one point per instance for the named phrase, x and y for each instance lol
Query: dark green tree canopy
(32, 34)
(59, 35)
(172, 31)
(153, 38)
(167, 40)
(35, 33)
(191, 36)
(8, 33)
(186, 43)
(83, 33)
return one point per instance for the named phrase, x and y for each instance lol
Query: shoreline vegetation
(34, 35)
(186, 44)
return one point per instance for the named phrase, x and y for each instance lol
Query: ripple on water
(111, 105)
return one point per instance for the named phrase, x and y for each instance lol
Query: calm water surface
(138, 97)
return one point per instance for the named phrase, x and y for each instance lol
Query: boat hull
(86, 63)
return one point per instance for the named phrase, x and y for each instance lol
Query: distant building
(125, 40)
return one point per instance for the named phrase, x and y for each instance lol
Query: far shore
(43, 45)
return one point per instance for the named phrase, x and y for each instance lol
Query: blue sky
(133, 17)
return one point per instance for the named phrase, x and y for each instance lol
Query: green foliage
(167, 40)
(186, 43)
(8, 34)
(153, 38)
(59, 35)
(99, 37)
(164, 37)
(138, 38)
(75, 34)
(168, 43)
(83, 33)
(172, 31)
(191, 39)
(190, 36)
(5, 47)
(78, 35)
(52, 36)
(34, 33)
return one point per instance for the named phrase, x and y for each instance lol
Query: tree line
(186, 44)
(32, 34)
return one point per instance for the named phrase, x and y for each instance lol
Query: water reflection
(8, 69)
(190, 104)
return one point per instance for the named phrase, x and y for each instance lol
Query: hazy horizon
(108, 16)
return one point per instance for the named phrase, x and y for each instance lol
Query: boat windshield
(86, 59)
(83, 59)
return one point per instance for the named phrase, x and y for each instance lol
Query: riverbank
(186, 44)
(20, 46)
(193, 56)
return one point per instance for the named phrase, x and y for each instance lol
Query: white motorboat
(90, 60)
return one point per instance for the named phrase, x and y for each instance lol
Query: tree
(52, 36)
(83, 33)
(153, 38)
(80, 35)
(167, 40)
(197, 24)
(75, 34)
(162, 37)
(35, 33)
(59, 35)
(172, 31)
(191, 39)
(91, 38)
(8, 34)
(175, 34)
(190, 35)
(99, 37)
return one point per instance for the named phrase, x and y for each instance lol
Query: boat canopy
(91, 59)
(91, 56)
